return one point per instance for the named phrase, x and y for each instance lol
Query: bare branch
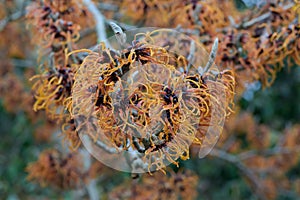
(249, 174)
(99, 19)
(191, 56)
(108, 6)
(91, 186)
(123, 25)
(23, 63)
(120, 35)
(188, 31)
(10, 18)
(268, 152)
(263, 17)
(106, 148)
(212, 56)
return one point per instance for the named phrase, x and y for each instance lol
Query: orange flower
(153, 114)
(176, 186)
(55, 169)
(51, 91)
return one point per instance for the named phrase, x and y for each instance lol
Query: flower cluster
(55, 169)
(56, 26)
(177, 186)
(253, 44)
(57, 33)
(161, 106)
(155, 98)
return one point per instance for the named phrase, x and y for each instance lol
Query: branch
(268, 152)
(15, 16)
(250, 175)
(263, 17)
(120, 35)
(106, 148)
(123, 25)
(133, 159)
(212, 56)
(99, 19)
(91, 187)
(10, 18)
(188, 31)
(191, 56)
(108, 6)
(23, 63)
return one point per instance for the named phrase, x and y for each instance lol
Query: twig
(99, 19)
(196, 14)
(108, 6)
(250, 175)
(263, 17)
(12, 17)
(106, 148)
(187, 31)
(212, 56)
(228, 143)
(86, 32)
(92, 190)
(267, 152)
(120, 35)
(123, 25)
(15, 16)
(23, 63)
(256, 20)
(134, 160)
(91, 187)
(191, 56)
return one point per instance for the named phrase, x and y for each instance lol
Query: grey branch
(120, 35)
(123, 25)
(263, 17)
(212, 56)
(12, 17)
(191, 56)
(268, 152)
(106, 148)
(248, 173)
(91, 186)
(23, 63)
(108, 6)
(99, 19)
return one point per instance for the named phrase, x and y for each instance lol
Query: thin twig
(120, 35)
(228, 143)
(212, 56)
(196, 14)
(122, 25)
(99, 19)
(10, 18)
(86, 32)
(263, 17)
(15, 16)
(267, 152)
(250, 175)
(191, 56)
(23, 63)
(108, 6)
(106, 148)
(187, 30)
(91, 187)
(256, 20)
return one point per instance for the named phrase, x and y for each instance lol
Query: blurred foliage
(282, 107)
